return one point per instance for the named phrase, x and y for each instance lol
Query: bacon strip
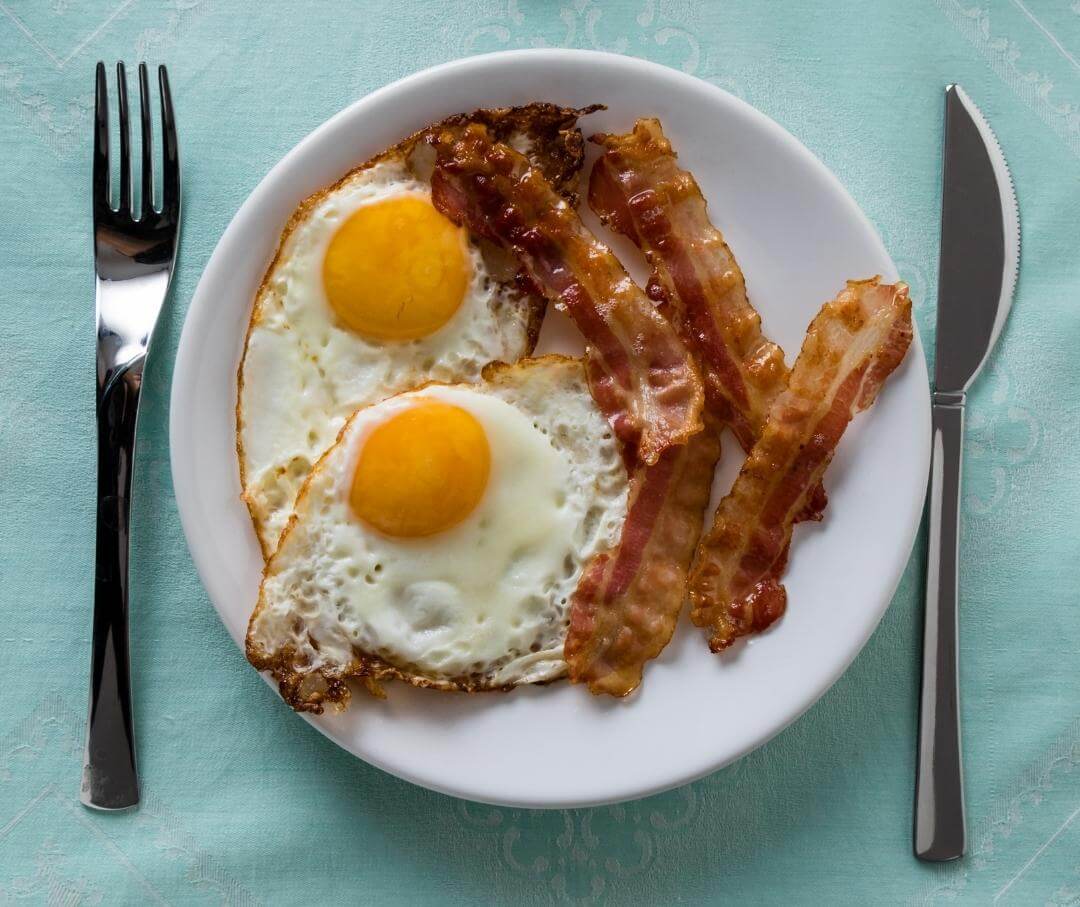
(851, 347)
(628, 600)
(640, 373)
(639, 190)
(626, 606)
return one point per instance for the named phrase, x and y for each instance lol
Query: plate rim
(182, 406)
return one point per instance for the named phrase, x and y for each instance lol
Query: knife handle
(939, 784)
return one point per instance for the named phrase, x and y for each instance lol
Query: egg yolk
(422, 471)
(396, 269)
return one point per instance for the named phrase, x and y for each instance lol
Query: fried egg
(374, 292)
(440, 539)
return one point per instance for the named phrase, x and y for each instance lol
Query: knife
(980, 254)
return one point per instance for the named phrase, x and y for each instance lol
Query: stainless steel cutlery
(134, 252)
(980, 254)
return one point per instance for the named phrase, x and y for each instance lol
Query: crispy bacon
(639, 190)
(640, 373)
(628, 600)
(627, 603)
(851, 347)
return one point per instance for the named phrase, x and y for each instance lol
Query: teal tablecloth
(243, 804)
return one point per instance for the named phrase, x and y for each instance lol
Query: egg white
(304, 372)
(483, 604)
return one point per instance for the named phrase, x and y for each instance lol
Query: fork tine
(125, 139)
(101, 141)
(147, 144)
(170, 195)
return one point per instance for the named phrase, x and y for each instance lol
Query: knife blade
(980, 245)
(980, 257)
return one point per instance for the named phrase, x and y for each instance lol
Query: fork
(133, 264)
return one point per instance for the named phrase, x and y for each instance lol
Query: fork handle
(110, 780)
(939, 784)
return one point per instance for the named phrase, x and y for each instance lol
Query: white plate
(798, 236)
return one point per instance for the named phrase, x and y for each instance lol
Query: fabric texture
(244, 804)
